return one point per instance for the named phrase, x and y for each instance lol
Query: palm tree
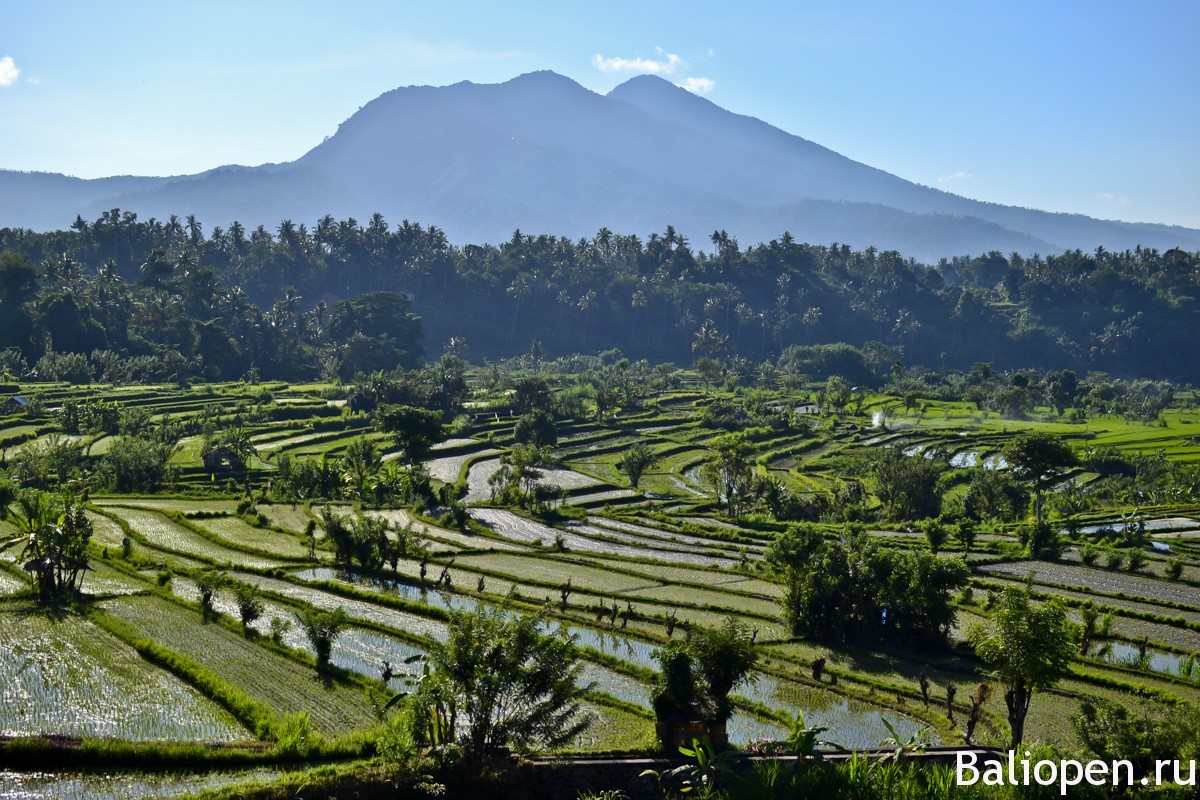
(708, 340)
(585, 305)
(811, 318)
(195, 230)
(361, 461)
(521, 288)
(56, 540)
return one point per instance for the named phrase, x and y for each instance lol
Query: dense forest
(157, 298)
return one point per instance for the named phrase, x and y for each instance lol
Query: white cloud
(959, 175)
(665, 66)
(1114, 200)
(698, 85)
(8, 71)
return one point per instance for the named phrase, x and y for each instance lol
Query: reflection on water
(1128, 655)
(118, 785)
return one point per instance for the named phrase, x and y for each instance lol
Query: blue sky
(1087, 107)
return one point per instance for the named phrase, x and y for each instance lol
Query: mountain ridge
(542, 153)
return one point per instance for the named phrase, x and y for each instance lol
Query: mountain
(544, 154)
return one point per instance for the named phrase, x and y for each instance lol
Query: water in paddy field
(968, 458)
(1126, 654)
(743, 728)
(1116, 526)
(407, 591)
(851, 724)
(119, 785)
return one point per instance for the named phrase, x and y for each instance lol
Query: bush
(294, 735)
(507, 685)
(1042, 541)
(322, 628)
(136, 465)
(69, 367)
(1135, 560)
(1113, 559)
(249, 603)
(719, 657)
(1174, 569)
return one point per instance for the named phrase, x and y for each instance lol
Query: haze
(1086, 108)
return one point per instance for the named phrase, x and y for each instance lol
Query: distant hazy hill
(543, 154)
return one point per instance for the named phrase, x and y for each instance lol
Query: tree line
(1127, 313)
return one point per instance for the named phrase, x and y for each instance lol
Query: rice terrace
(195, 639)
(599, 401)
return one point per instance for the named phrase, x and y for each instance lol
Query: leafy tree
(208, 583)
(907, 485)
(1114, 732)
(853, 588)
(249, 602)
(837, 392)
(136, 464)
(531, 394)
(935, 533)
(362, 539)
(8, 493)
(499, 682)
(415, 430)
(1042, 541)
(994, 494)
(1030, 645)
(966, 530)
(536, 428)
(709, 370)
(360, 461)
(322, 629)
(729, 470)
(723, 658)
(1039, 459)
(519, 477)
(52, 461)
(380, 332)
(1061, 389)
(636, 459)
(56, 540)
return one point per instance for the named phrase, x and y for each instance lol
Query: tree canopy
(1030, 645)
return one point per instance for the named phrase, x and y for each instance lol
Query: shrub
(249, 603)
(294, 735)
(505, 682)
(1174, 568)
(322, 628)
(208, 584)
(1135, 560)
(1113, 559)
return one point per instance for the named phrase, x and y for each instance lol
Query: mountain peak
(542, 152)
(649, 86)
(660, 98)
(542, 79)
